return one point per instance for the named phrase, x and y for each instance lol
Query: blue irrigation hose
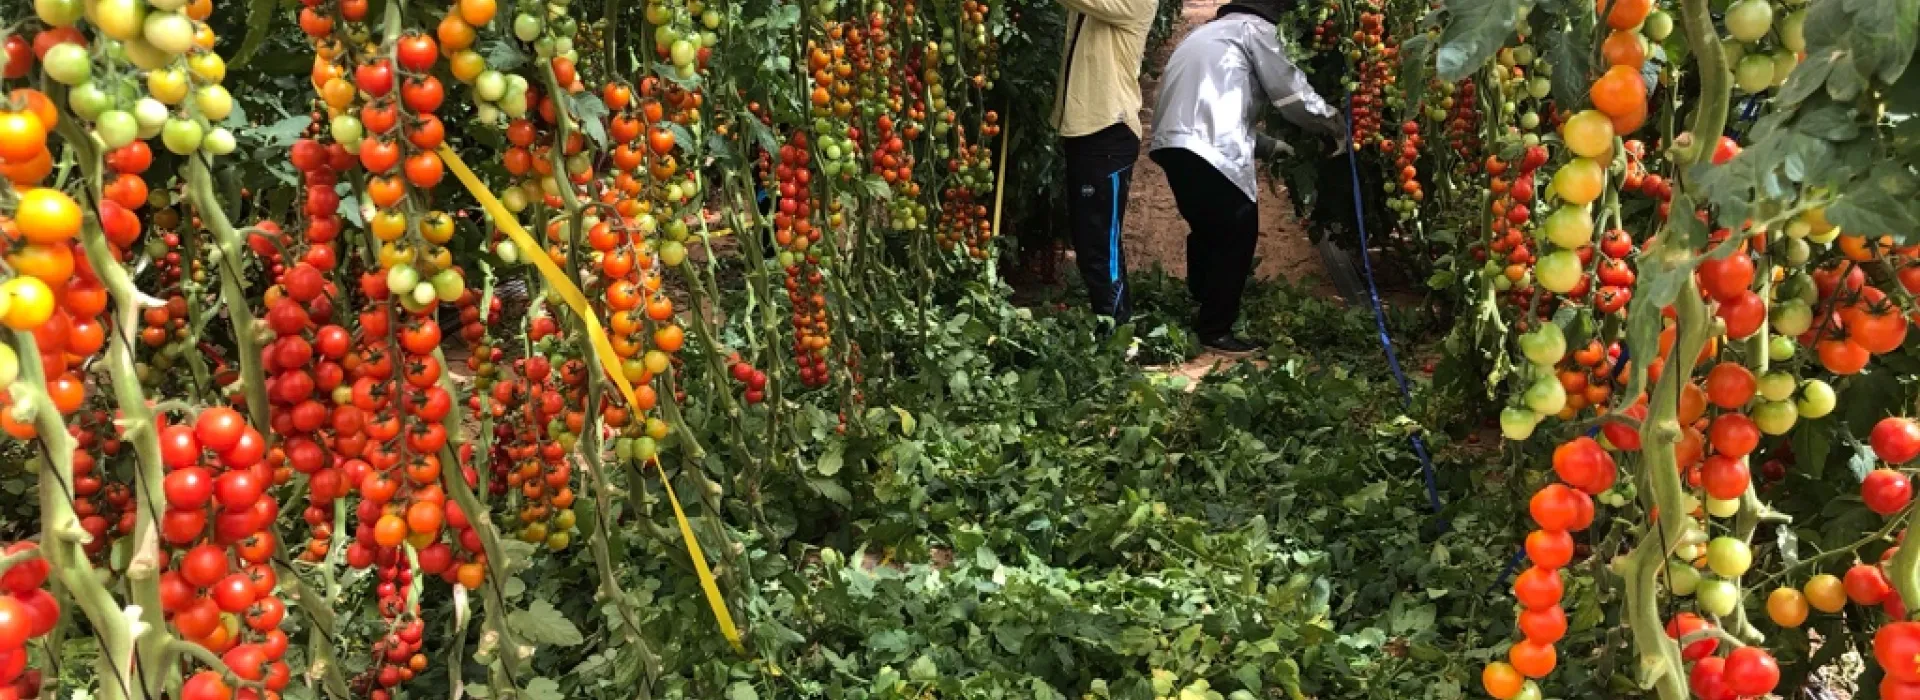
(1379, 314)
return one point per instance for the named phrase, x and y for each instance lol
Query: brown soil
(1154, 233)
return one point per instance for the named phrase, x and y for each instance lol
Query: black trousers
(1223, 225)
(1099, 172)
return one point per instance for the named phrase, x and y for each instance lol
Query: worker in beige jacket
(1096, 108)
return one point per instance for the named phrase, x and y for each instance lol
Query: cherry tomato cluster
(103, 504)
(1407, 192)
(218, 587)
(53, 294)
(1648, 184)
(1509, 248)
(1460, 109)
(754, 380)
(27, 612)
(1326, 29)
(1559, 509)
(795, 233)
(1373, 57)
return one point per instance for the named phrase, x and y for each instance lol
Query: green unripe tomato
(1791, 317)
(672, 253)
(490, 85)
(219, 142)
(1783, 64)
(182, 136)
(116, 128)
(1516, 422)
(402, 278)
(1658, 26)
(1717, 597)
(448, 286)
(1775, 417)
(88, 101)
(1793, 33)
(1780, 349)
(1729, 557)
(67, 64)
(58, 13)
(9, 366)
(1776, 386)
(1682, 578)
(1543, 346)
(1749, 20)
(1754, 73)
(526, 27)
(1546, 396)
(1817, 399)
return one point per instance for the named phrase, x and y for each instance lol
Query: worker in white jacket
(1213, 90)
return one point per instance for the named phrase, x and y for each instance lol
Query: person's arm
(1123, 13)
(1286, 86)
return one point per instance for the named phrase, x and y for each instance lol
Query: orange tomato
(1619, 92)
(47, 216)
(1626, 14)
(1624, 47)
(1501, 680)
(1533, 659)
(22, 135)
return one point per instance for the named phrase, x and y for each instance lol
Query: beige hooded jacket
(1099, 83)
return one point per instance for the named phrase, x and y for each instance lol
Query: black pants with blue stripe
(1099, 171)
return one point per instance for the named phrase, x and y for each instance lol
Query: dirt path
(1156, 235)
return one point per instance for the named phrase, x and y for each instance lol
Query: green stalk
(136, 416)
(63, 540)
(1662, 491)
(1716, 88)
(228, 246)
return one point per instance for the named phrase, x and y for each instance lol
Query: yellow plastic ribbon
(563, 285)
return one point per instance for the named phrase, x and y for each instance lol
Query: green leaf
(1476, 29)
(741, 690)
(589, 114)
(1846, 81)
(923, 669)
(1829, 121)
(1806, 79)
(349, 209)
(541, 623)
(1565, 48)
(503, 55)
(985, 559)
(1884, 35)
(281, 133)
(1371, 493)
(1416, 56)
(1884, 203)
(680, 134)
(831, 462)
(1862, 462)
(876, 187)
(542, 689)
(259, 21)
(832, 491)
(783, 17)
